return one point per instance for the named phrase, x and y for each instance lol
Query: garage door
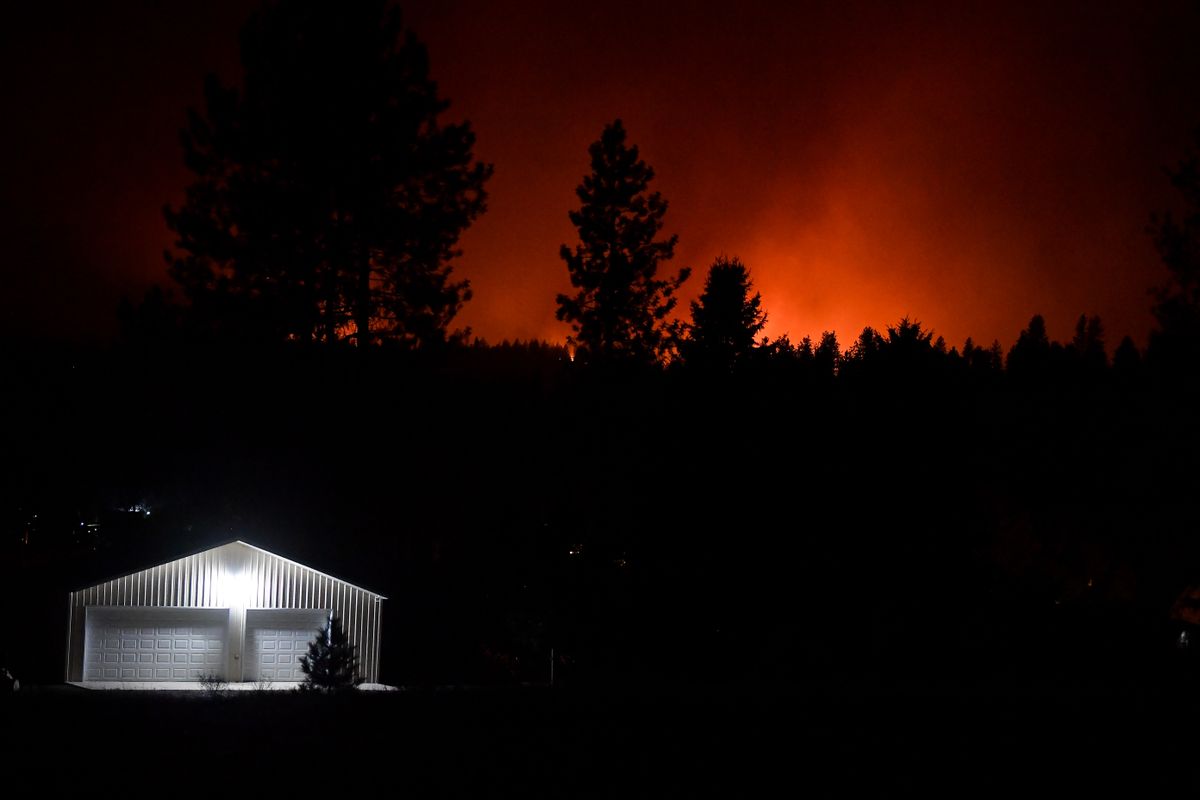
(151, 644)
(275, 640)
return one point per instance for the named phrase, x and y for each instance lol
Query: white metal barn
(234, 610)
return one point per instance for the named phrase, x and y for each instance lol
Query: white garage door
(275, 640)
(154, 644)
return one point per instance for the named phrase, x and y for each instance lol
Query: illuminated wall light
(236, 589)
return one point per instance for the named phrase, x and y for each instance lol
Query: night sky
(966, 166)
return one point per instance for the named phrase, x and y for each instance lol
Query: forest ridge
(329, 198)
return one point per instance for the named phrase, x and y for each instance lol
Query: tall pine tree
(328, 196)
(619, 310)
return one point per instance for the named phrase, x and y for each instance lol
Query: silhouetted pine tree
(331, 663)
(827, 357)
(1087, 346)
(1030, 357)
(908, 347)
(863, 354)
(804, 352)
(328, 197)
(619, 311)
(1127, 359)
(726, 319)
(996, 356)
(982, 361)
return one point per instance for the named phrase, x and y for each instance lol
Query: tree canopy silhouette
(619, 311)
(1030, 356)
(907, 345)
(827, 357)
(1177, 238)
(726, 319)
(328, 199)
(863, 354)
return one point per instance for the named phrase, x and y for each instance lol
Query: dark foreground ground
(1067, 740)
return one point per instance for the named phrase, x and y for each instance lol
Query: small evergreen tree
(332, 661)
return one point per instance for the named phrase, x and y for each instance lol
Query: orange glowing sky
(966, 167)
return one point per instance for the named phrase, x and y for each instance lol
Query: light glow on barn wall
(236, 588)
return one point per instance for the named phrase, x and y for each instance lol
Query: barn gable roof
(234, 543)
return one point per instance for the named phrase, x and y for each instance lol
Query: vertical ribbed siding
(235, 575)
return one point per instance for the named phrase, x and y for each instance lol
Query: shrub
(213, 684)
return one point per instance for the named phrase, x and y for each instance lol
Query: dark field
(827, 740)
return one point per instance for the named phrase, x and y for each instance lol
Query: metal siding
(70, 627)
(374, 637)
(348, 620)
(359, 608)
(360, 635)
(256, 572)
(371, 606)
